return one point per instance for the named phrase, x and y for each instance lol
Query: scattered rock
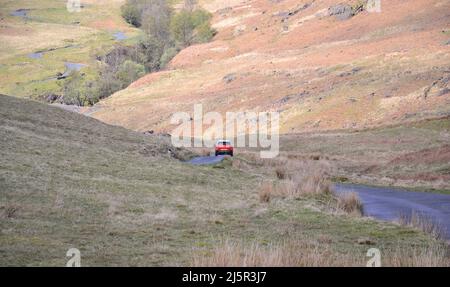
(438, 88)
(150, 132)
(230, 78)
(292, 12)
(293, 96)
(239, 30)
(365, 241)
(285, 99)
(341, 11)
(51, 98)
(224, 11)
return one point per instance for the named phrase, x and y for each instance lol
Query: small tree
(132, 13)
(204, 33)
(128, 72)
(74, 90)
(182, 27)
(168, 55)
(156, 15)
(201, 17)
(151, 51)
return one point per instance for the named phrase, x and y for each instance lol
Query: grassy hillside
(294, 57)
(409, 155)
(49, 28)
(71, 181)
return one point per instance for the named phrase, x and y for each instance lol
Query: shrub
(132, 13)
(128, 72)
(151, 50)
(204, 33)
(200, 17)
(182, 27)
(78, 91)
(189, 27)
(167, 56)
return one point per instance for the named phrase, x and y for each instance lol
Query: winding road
(389, 204)
(207, 160)
(386, 203)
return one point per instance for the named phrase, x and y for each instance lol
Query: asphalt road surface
(207, 160)
(389, 204)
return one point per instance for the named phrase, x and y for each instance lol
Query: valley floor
(70, 181)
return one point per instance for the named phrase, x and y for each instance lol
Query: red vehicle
(224, 147)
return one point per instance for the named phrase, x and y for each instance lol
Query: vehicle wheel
(217, 154)
(231, 154)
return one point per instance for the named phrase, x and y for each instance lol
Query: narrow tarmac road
(207, 160)
(386, 203)
(389, 204)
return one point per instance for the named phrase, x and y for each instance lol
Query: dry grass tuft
(350, 203)
(265, 192)
(281, 172)
(435, 255)
(9, 211)
(307, 178)
(291, 253)
(302, 178)
(297, 253)
(297, 179)
(421, 222)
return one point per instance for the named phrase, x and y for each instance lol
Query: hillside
(42, 39)
(71, 181)
(292, 56)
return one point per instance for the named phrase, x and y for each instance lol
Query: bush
(131, 13)
(204, 33)
(77, 91)
(182, 27)
(128, 72)
(168, 55)
(200, 17)
(192, 27)
(151, 50)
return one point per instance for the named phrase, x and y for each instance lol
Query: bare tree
(156, 19)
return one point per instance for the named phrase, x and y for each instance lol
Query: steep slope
(318, 71)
